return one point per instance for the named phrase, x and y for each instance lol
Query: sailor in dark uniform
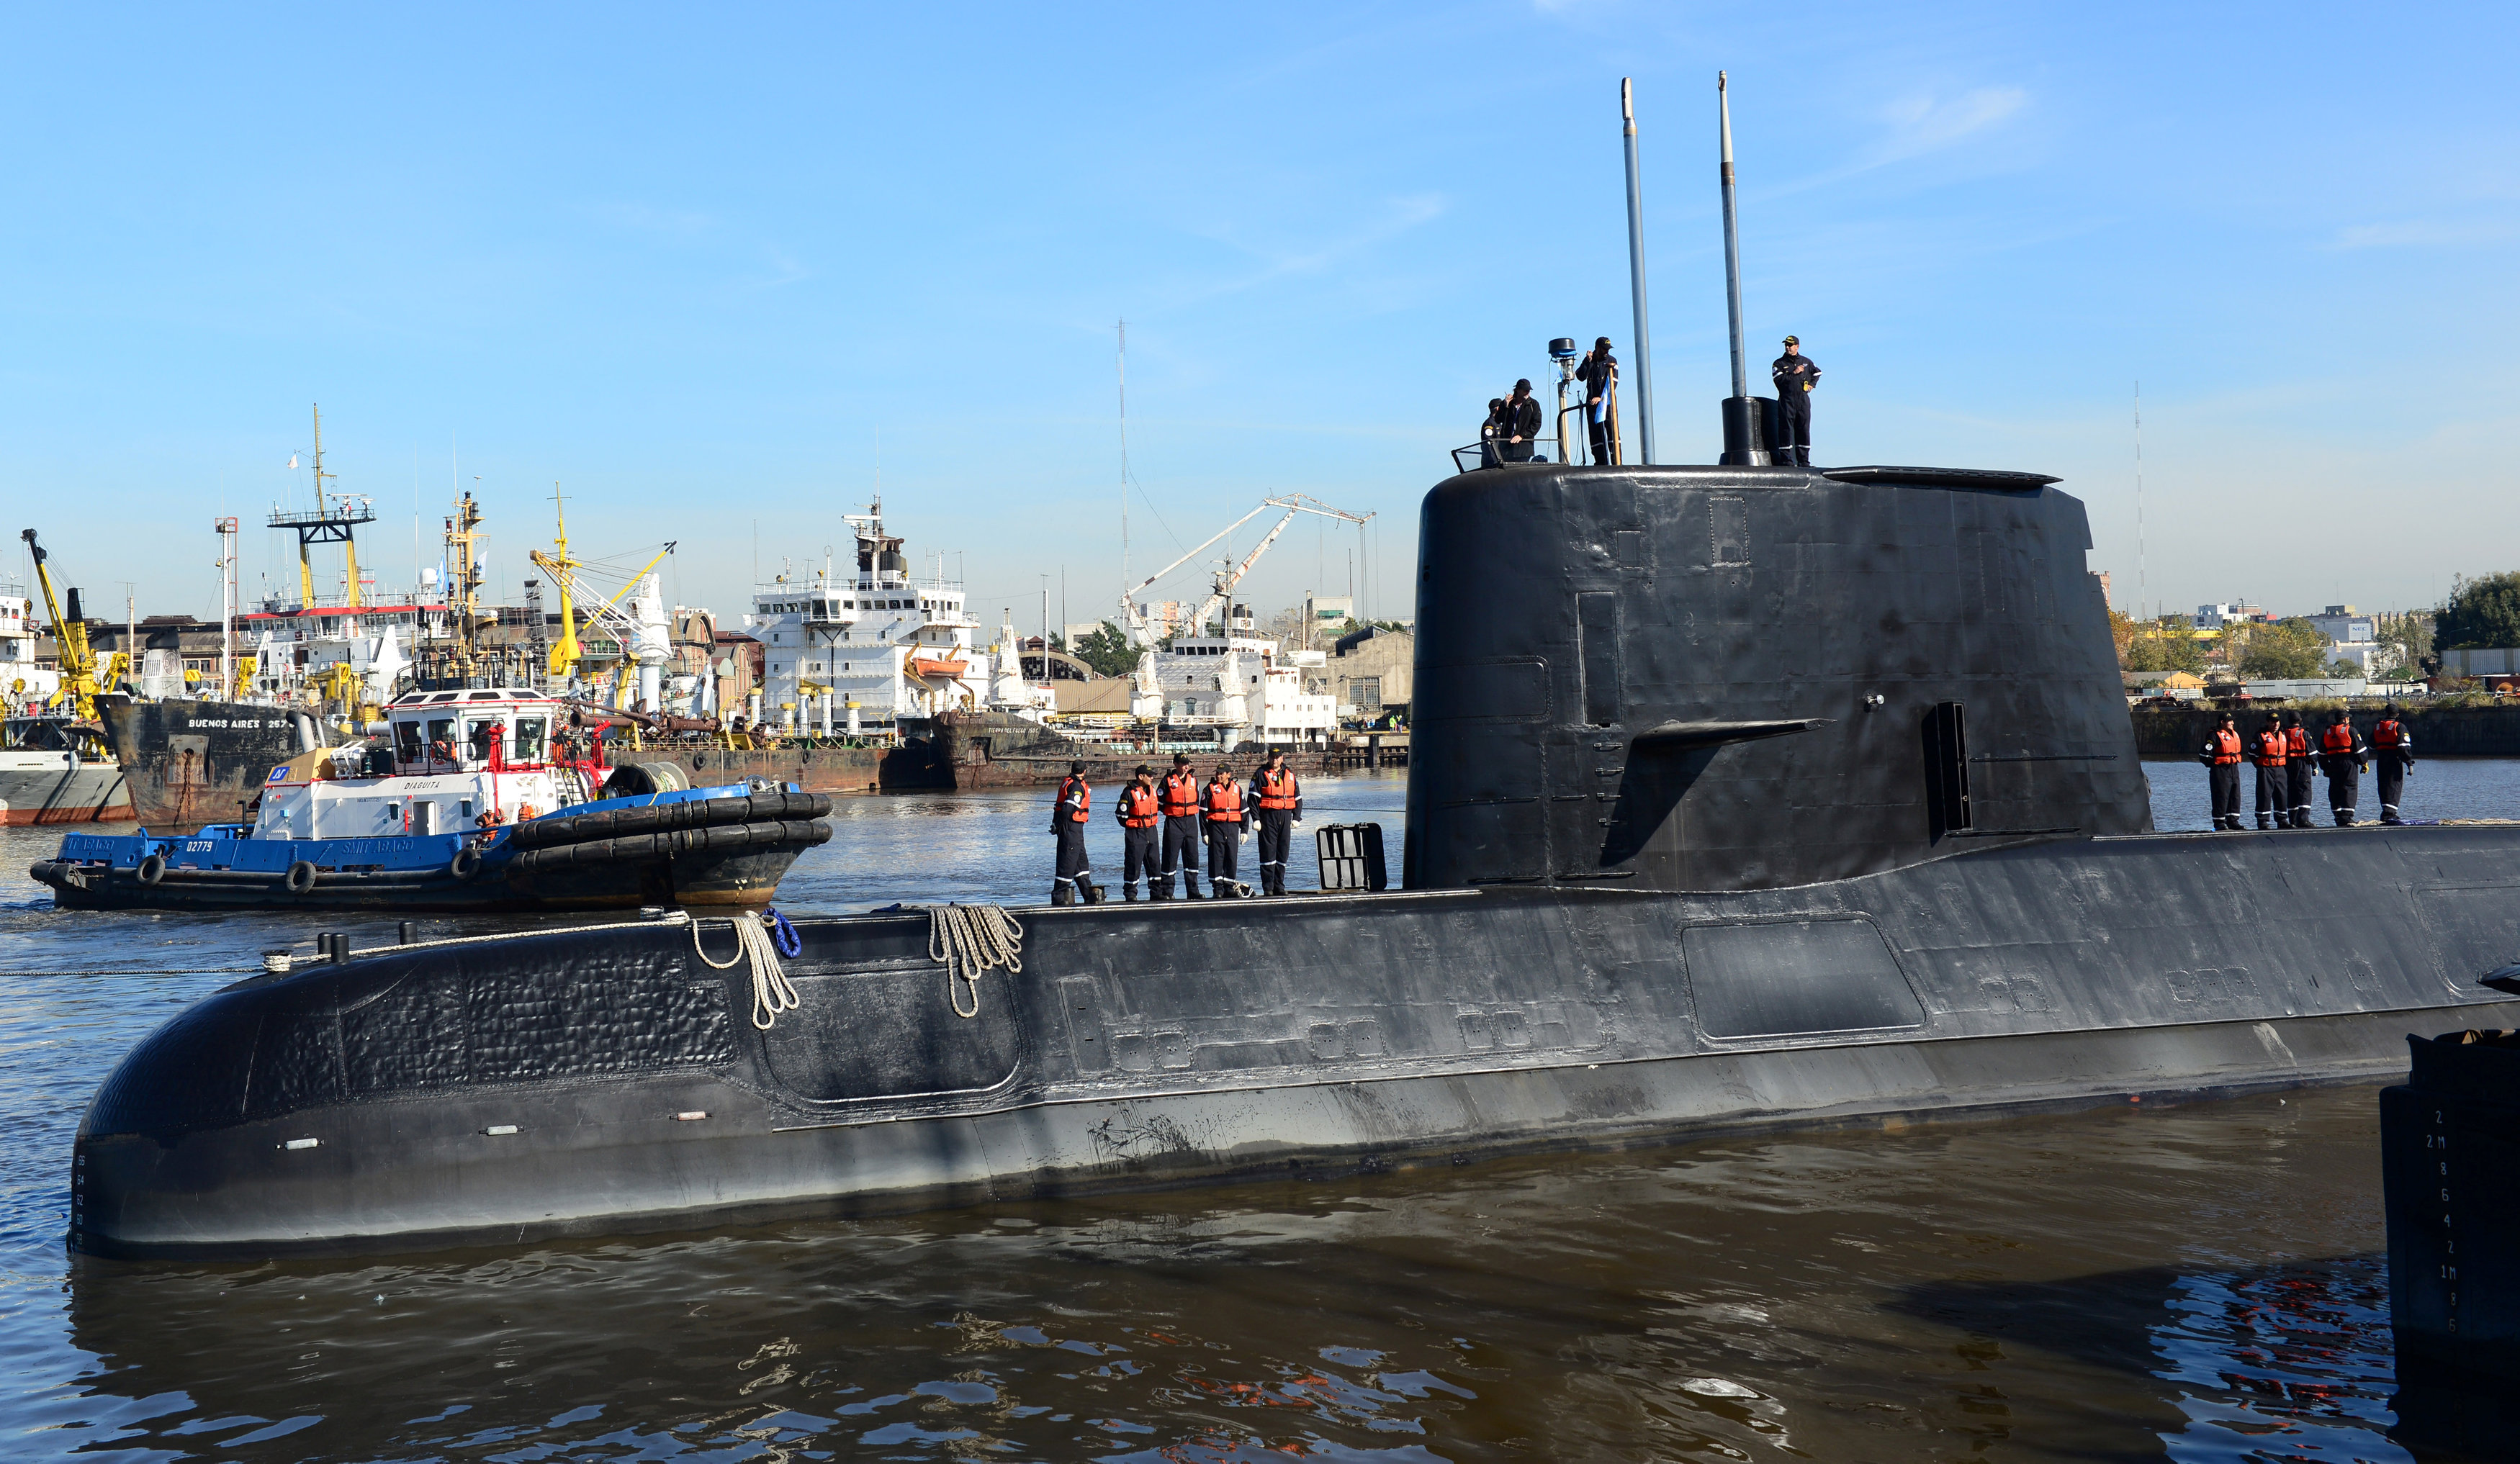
(2220, 755)
(1179, 795)
(1227, 814)
(2341, 756)
(1794, 376)
(2393, 748)
(1281, 812)
(1140, 816)
(1067, 823)
(2270, 752)
(2298, 770)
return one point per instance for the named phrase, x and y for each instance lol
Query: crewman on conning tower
(2297, 770)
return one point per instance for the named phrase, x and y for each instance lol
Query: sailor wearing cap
(1795, 375)
(2393, 752)
(1600, 373)
(1138, 812)
(1072, 884)
(1521, 425)
(1179, 795)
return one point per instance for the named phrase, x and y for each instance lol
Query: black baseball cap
(1181, 757)
(1075, 768)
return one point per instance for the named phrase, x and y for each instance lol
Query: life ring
(466, 864)
(302, 877)
(152, 868)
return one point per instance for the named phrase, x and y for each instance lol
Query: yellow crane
(82, 678)
(566, 653)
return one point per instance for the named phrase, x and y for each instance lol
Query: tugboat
(475, 801)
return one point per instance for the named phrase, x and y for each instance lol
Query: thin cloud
(2418, 234)
(1401, 215)
(1926, 124)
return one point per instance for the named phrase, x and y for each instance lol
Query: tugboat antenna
(1637, 272)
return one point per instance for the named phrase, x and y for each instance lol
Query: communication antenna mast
(1123, 363)
(2143, 592)
(1637, 271)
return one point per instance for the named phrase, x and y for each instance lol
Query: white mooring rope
(772, 992)
(969, 940)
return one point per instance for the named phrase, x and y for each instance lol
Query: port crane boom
(80, 681)
(1222, 589)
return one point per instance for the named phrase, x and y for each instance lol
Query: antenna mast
(1637, 271)
(2143, 593)
(1746, 437)
(1123, 362)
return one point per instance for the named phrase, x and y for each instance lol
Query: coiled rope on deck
(969, 941)
(772, 992)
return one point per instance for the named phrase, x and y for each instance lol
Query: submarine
(1740, 795)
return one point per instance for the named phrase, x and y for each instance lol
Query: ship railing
(1567, 445)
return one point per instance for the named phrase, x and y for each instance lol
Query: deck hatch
(1796, 977)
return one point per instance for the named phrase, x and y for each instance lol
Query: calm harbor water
(2198, 1283)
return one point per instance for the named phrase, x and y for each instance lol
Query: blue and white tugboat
(473, 800)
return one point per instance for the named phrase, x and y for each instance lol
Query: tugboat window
(530, 739)
(407, 742)
(477, 737)
(442, 732)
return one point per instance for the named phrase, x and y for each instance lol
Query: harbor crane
(1222, 588)
(81, 679)
(634, 619)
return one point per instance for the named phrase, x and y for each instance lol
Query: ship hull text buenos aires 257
(1741, 797)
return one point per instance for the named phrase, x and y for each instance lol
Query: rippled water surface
(2200, 1283)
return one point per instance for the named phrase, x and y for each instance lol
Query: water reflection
(2197, 1283)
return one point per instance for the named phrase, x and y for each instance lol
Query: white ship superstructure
(849, 653)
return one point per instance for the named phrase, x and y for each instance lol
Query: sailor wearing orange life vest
(1281, 812)
(2296, 772)
(2341, 756)
(1067, 823)
(2221, 756)
(2395, 752)
(1224, 809)
(2268, 750)
(1179, 795)
(1138, 811)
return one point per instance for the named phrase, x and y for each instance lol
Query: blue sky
(713, 271)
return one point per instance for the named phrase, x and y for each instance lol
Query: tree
(2481, 614)
(2122, 630)
(2287, 651)
(1107, 650)
(2175, 651)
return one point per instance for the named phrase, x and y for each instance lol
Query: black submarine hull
(612, 1079)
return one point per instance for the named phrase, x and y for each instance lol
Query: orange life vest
(2271, 748)
(2388, 733)
(2296, 743)
(1278, 788)
(1084, 797)
(2338, 739)
(1181, 794)
(1225, 802)
(2226, 748)
(1137, 808)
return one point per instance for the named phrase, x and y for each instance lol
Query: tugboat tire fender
(300, 877)
(610, 823)
(466, 864)
(151, 870)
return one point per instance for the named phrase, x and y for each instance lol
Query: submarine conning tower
(1726, 677)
